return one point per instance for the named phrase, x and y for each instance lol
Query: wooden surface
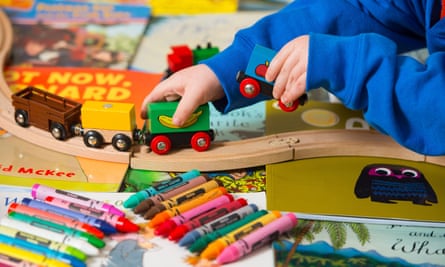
(221, 156)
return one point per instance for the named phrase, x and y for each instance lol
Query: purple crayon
(257, 239)
(102, 225)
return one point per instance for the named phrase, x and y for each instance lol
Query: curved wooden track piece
(279, 148)
(221, 156)
(5, 48)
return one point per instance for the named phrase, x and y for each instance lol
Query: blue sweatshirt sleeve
(399, 96)
(355, 48)
(340, 17)
(274, 31)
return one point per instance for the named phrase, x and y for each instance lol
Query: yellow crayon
(212, 251)
(183, 197)
(30, 256)
(177, 210)
(6, 260)
(190, 194)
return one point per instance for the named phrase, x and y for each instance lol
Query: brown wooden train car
(36, 107)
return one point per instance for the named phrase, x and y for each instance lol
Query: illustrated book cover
(26, 164)
(331, 243)
(76, 33)
(363, 189)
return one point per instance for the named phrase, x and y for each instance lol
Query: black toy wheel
(93, 139)
(57, 131)
(121, 142)
(21, 118)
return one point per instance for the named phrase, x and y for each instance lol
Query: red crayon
(121, 224)
(168, 226)
(59, 219)
(207, 217)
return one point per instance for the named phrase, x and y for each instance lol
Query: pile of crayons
(198, 213)
(57, 228)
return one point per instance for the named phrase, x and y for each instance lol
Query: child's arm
(399, 96)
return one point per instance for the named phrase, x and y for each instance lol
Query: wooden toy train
(252, 80)
(102, 123)
(182, 56)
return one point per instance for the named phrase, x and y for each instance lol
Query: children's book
(362, 189)
(76, 33)
(167, 31)
(25, 164)
(319, 113)
(179, 7)
(249, 180)
(333, 243)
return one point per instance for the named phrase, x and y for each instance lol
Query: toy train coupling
(77, 130)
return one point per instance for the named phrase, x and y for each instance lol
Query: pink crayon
(257, 239)
(121, 223)
(41, 192)
(168, 226)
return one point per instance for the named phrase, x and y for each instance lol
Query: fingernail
(177, 121)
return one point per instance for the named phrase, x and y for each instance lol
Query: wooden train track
(222, 155)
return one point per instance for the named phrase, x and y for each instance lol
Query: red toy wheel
(200, 141)
(249, 87)
(288, 107)
(160, 144)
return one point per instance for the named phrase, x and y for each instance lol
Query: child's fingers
(276, 64)
(286, 73)
(294, 89)
(187, 105)
(164, 91)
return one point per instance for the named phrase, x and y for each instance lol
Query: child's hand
(288, 70)
(194, 86)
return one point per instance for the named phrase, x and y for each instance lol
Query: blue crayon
(17, 242)
(221, 222)
(160, 187)
(102, 225)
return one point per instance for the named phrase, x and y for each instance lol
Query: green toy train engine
(161, 134)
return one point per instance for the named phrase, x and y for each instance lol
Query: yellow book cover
(180, 7)
(314, 115)
(25, 164)
(359, 188)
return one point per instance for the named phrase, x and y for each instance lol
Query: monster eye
(383, 171)
(410, 173)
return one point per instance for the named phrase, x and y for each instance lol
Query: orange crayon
(182, 198)
(176, 210)
(216, 247)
